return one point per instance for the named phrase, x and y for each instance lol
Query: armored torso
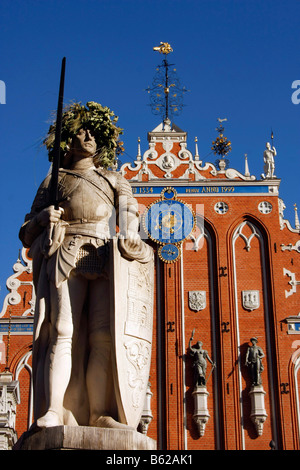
(88, 203)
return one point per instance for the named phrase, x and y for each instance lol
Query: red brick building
(234, 277)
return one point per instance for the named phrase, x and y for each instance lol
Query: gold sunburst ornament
(221, 146)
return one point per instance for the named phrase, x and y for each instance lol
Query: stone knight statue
(72, 351)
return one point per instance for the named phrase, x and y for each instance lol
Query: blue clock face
(169, 221)
(169, 253)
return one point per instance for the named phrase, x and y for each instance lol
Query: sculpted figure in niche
(269, 166)
(199, 356)
(72, 351)
(253, 361)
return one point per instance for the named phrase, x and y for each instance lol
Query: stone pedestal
(201, 414)
(258, 412)
(85, 438)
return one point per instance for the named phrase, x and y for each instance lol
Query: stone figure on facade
(269, 161)
(199, 356)
(253, 361)
(72, 352)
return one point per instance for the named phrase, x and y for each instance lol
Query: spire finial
(196, 149)
(139, 155)
(166, 93)
(247, 172)
(297, 223)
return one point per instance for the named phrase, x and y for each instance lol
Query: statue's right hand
(49, 215)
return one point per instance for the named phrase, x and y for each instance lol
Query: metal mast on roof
(166, 93)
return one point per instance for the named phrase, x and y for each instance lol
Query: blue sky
(237, 58)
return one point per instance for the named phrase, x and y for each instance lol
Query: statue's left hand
(132, 247)
(131, 240)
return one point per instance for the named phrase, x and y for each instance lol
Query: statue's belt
(85, 221)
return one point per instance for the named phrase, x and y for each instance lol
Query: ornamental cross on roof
(166, 93)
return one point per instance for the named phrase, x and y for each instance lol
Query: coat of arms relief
(197, 300)
(250, 299)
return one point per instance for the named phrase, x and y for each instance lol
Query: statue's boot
(109, 422)
(50, 419)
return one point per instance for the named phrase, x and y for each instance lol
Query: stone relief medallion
(168, 162)
(197, 300)
(250, 299)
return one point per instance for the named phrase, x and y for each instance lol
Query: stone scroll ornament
(168, 222)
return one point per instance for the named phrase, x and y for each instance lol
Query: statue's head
(90, 130)
(268, 145)
(199, 344)
(83, 144)
(254, 340)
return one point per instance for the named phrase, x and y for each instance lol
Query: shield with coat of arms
(131, 329)
(197, 300)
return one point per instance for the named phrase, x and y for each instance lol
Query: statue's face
(83, 144)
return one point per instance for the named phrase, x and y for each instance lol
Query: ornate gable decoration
(168, 157)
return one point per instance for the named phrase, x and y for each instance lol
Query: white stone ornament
(197, 300)
(201, 414)
(265, 207)
(250, 299)
(258, 412)
(292, 282)
(221, 207)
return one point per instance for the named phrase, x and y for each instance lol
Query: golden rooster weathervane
(164, 48)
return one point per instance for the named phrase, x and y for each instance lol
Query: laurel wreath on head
(100, 120)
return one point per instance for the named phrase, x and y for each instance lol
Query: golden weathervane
(164, 48)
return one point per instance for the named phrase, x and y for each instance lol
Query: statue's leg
(99, 373)
(59, 359)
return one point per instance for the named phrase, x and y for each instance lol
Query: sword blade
(56, 152)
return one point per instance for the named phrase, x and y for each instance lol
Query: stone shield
(197, 300)
(131, 329)
(250, 299)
